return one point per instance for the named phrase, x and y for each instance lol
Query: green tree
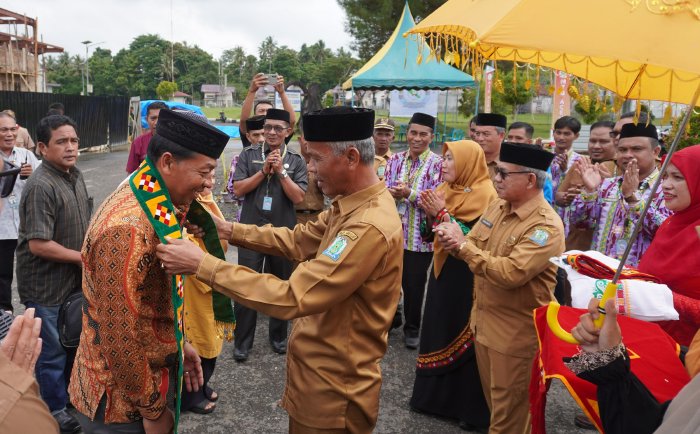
(196, 67)
(166, 89)
(66, 71)
(690, 136)
(467, 102)
(512, 96)
(371, 22)
(266, 53)
(103, 73)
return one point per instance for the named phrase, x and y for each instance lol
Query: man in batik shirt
(128, 352)
(612, 206)
(407, 174)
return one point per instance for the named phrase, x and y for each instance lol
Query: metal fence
(102, 120)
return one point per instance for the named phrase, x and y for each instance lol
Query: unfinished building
(20, 48)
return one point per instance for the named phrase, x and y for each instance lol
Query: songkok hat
(338, 124)
(491, 119)
(255, 123)
(384, 124)
(422, 119)
(525, 155)
(639, 130)
(191, 131)
(277, 114)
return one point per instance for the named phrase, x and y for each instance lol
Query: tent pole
(476, 103)
(352, 97)
(444, 117)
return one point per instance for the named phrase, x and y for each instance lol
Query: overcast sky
(213, 25)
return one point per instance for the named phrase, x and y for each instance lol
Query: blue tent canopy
(394, 66)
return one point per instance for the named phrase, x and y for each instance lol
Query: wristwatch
(283, 173)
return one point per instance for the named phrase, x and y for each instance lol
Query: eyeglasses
(276, 128)
(5, 130)
(614, 134)
(504, 173)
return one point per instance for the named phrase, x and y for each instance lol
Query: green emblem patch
(540, 237)
(336, 248)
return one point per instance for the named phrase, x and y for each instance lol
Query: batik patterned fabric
(128, 350)
(613, 219)
(423, 173)
(558, 176)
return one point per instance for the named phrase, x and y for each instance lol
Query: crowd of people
(350, 241)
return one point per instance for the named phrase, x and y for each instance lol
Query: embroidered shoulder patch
(540, 236)
(350, 235)
(336, 248)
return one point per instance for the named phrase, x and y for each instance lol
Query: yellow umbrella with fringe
(639, 49)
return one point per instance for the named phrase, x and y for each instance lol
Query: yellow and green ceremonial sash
(152, 194)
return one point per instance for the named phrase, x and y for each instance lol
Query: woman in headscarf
(447, 380)
(674, 253)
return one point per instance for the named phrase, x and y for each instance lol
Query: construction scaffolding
(20, 49)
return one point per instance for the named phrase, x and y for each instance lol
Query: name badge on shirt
(267, 203)
(486, 223)
(401, 207)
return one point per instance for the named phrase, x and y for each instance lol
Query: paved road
(250, 391)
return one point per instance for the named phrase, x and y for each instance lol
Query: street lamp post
(88, 44)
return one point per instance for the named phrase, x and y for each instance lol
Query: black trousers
(7, 263)
(246, 318)
(413, 280)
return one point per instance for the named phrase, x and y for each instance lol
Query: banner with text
(404, 103)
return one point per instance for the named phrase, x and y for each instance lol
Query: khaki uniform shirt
(379, 167)
(509, 252)
(343, 293)
(21, 407)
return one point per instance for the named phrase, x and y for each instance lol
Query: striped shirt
(54, 206)
(423, 173)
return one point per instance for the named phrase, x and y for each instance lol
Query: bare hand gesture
(398, 191)
(25, 170)
(193, 376)
(279, 86)
(589, 174)
(275, 160)
(449, 235)
(432, 202)
(258, 81)
(22, 345)
(179, 256)
(590, 338)
(630, 179)
(561, 160)
(604, 172)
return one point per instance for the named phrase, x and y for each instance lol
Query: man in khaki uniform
(343, 293)
(489, 131)
(508, 250)
(383, 138)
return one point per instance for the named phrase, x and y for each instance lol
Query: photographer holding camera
(261, 106)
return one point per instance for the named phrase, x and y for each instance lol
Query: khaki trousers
(505, 380)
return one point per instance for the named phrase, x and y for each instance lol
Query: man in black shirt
(271, 179)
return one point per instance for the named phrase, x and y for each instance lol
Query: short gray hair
(541, 176)
(365, 147)
(500, 130)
